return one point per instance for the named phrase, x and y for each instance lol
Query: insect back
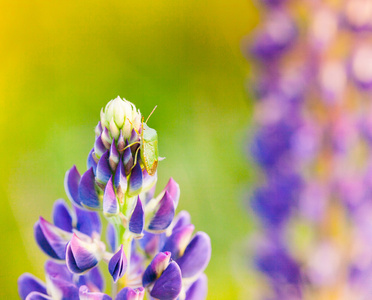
(149, 149)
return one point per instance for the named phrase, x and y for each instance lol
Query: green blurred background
(62, 61)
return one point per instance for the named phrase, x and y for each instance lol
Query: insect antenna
(151, 114)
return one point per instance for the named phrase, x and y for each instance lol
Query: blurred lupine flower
(147, 249)
(313, 143)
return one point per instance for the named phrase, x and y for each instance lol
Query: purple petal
(118, 264)
(110, 203)
(178, 241)
(121, 182)
(84, 294)
(61, 215)
(198, 290)
(98, 129)
(196, 256)
(127, 160)
(137, 219)
(131, 294)
(114, 156)
(57, 271)
(181, 220)
(133, 136)
(151, 243)
(111, 237)
(51, 239)
(149, 194)
(93, 279)
(148, 181)
(28, 283)
(72, 179)
(103, 169)
(87, 190)
(88, 221)
(91, 162)
(80, 255)
(135, 181)
(169, 285)
(157, 266)
(173, 189)
(164, 214)
(99, 147)
(38, 296)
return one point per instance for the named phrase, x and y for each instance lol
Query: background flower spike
(164, 213)
(196, 256)
(137, 219)
(87, 190)
(128, 293)
(72, 180)
(169, 285)
(110, 202)
(61, 215)
(118, 264)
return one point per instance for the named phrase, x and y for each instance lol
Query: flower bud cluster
(147, 249)
(313, 143)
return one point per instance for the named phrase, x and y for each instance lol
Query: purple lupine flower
(141, 227)
(313, 145)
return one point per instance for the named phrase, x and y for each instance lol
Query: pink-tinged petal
(137, 219)
(131, 294)
(114, 156)
(91, 161)
(51, 239)
(121, 142)
(110, 202)
(112, 238)
(178, 241)
(196, 256)
(182, 219)
(88, 222)
(72, 179)
(169, 285)
(127, 160)
(135, 181)
(85, 294)
(118, 264)
(103, 172)
(164, 214)
(173, 189)
(157, 266)
(121, 182)
(87, 190)
(28, 283)
(99, 147)
(38, 296)
(198, 290)
(61, 215)
(106, 138)
(81, 256)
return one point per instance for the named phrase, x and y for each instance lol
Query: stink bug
(148, 147)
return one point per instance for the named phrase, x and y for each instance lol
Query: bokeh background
(62, 61)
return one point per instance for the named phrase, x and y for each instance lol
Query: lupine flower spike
(148, 251)
(313, 144)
